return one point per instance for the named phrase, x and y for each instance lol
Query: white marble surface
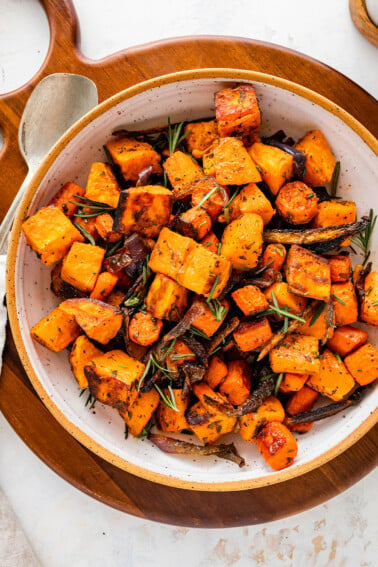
(66, 527)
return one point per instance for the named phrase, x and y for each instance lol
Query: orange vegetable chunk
(206, 322)
(237, 384)
(99, 320)
(104, 225)
(277, 445)
(133, 156)
(170, 420)
(145, 329)
(344, 303)
(308, 274)
(229, 162)
(139, 413)
(276, 166)
(212, 426)
(280, 290)
(363, 364)
(82, 266)
(166, 299)
(104, 285)
(251, 424)
(323, 327)
(178, 355)
(242, 241)
(297, 203)
(65, 195)
(346, 339)
(369, 305)
(251, 200)
(274, 255)
(211, 242)
(302, 400)
(182, 170)
(216, 372)
(320, 161)
(217, 196)
(82, 352)
(334, 213)
(251, 335)
(194, 223)
(237, 112)
(333, 379)
(293, 382)
(50, 234)
(200, 135)
(170, 253)
(56, 330)
(341, 268)
(298, 354)
(102, 186)
(250, 299)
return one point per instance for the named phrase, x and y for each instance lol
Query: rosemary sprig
(198, 333)
(338, 356)
(169, 349)
(338, 299)
(145, 372)
(226, 210)
(91, 400)
(217, 309)
(174, 136)
(168, 402)
(126, 433)
(283, 311)
(85, 233)
(362, 239)
(113, 249)
(146, 429)
(278, 383)
(213, 289)
(132, 301)
(95, 208)
(335, 179)
(178, 356)
(206, 197)
(261, 270)
(317, 313)
(146, 271)
(153, 365)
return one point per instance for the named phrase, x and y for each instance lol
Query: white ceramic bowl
(182, 96)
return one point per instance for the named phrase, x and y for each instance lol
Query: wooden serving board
(18, 401)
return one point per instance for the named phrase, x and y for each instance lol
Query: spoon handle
(6, 225)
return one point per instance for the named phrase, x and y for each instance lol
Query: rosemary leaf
(85, 233)
(335, 179)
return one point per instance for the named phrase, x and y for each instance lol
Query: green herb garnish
(174, 136)
(85, 233)
(335, 179)
(362, 239)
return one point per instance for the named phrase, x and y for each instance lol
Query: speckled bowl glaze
(181, 96)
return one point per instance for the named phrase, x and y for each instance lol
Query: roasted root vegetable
(81, 354)
(169, 419)
(211, 242)
(369, 304)
(104, 225)
(279, 294)
(99, 321)
(194, 223)
(104, 286)
(293, 382)
(170, 253)
(166, 299)
(208, 425)
(297, 353)
(50, 234)
(345, 339)
(181, 170)
(363, 364)
(144, 210)
(199, 136)
(216, 372)
(251, 335)
(277, 445)
(308, 274)
(334, 213)
(320, 161)
(275, 165)
(56, 330)
(132, 157)
(209, 195)
(302, 400)
(297, 203)
(82, 265)
(237, 384)
(341, 268)
(237, 112)
(250, 200)
(229, 162)
(274, 257)
(210, 317)
(250, 299)
(65, 198)
(242, 241)
(252, 423)
(344, 303)
(102, 186)
(333, 379)
(138, 414)
(145, 329)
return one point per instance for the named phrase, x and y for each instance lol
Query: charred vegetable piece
(194, 223)
(56, 330)
(322, 412)
(100, 321)
(237, 112)
(139, 413)
(113, 378)
(242, 241)
(169, 445)
(209, 195)
(297, 203)
(64, 196)
(229, 162)
(181, 170)
(60, 288)
(82, 352)
(199, 136)
(82, 266)
(144, 210)
(341, 268)
(335, 213)
(277, 445)
(308, 274)
(166, 299)
(102, 186)
(251, 335)
(104, 226)
(223, 333)
(363, 364)
(133, 157)
(332, 379)
(216, 372)
(320, 161)
(297, 353)
(210, 317)
(145, 329)
(208, 424)
(276, 166)
(170, 420)
(250, 200)
(50, 234)
(177, 354)
(237, 384)
(279, 294)
(251, 424)
(369, 304)
(170, 253)
(250, 300)
(298, 162)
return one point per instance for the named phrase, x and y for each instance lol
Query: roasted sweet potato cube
(251, 423)
(89, 225)
(242, 241)
(293, 382)
(301, 401)
(144, 210)
(139, 413)
(344, 303)
(284, 298)
(308, 274)
(207, 322)
(113, 378)
(333, 379)
(200, 135)
(104, 286)
(345, 339)
(178, 355)
(250, 299)
(334, 213)
(64, 196)
(363, 364)
(237, 112)
(100, 321)
(208, 194)
(320, 161)
(102, 186)
(298, 354)
(56, 330)
(133, 156)
(166, 299)
(60, 288)
(50, 234)
(251, 200)
(82, 266)
(170, 253)
(182, 170)
(194, 223)
(228, 160)
(170, 420)
(204, 272)
(341, 268)
(320, 326)
(251, 335)
(210, 425)
(237, 384)
(275, 165)
(81, 354)
(277, 445)
(104, 225)
(211, 242)
(369, 304)
(216, 372)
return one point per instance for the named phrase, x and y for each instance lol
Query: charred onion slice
(325, 411)
(170, 445)
(184, 324)
(278, 337)
(299, 159)
(263, 390)
(360, 285)
(314, 235)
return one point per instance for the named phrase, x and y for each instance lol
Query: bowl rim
(74, 430)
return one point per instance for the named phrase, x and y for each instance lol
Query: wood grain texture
(362, 21)
(18, 401)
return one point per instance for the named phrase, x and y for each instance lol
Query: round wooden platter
(18, 401)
